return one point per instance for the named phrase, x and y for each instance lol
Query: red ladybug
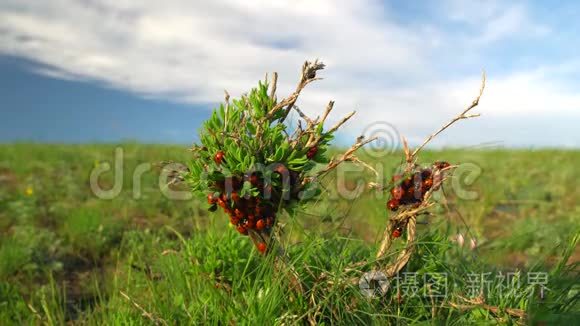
(221, 203)
(235, 197)
(397, 192)
(397, 232)
(261, 247)
(254, 180)
(407, 183)
(242, 230)
(428, 183)
(219, 157)
(211, 199)
(312, 152)
(261, 224)
(393, 204)
(249, 224)
(396, 178)
(441, 165)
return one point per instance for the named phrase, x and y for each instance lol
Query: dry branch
(408, 216)
(155, 320)
(462, 115)
(347, 156)
(479, 302)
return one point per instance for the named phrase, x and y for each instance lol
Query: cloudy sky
(111, 70)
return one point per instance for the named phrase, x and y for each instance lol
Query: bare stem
(480, 303)
(144, 313)
(461, 116)
(274, 85)
(347, 156)
(308, 75)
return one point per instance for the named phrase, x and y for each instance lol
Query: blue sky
(44, 109)
(110, 70)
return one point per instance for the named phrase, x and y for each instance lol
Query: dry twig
(479, 302)
(144, 313)
(408, 217)
(461, 116)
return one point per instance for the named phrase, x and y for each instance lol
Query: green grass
(67, 256)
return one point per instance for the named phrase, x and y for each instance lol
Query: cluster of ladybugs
(248, 212)
(411, 189)
(245, 213)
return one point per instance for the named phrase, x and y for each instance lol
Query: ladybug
(396, 178)
(428, 183)
(393, 204)
(397, 232)
(235, 197)
(261, 224)
(242, 230)
(441, 165)
(211, 199)
(254, 180)
(407, 183)
(219, 157)
(397, 192)
(261, 247)
(221, 203)
(312, 152)
(248, 224)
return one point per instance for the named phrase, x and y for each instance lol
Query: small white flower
(473, 244)
(460, 239)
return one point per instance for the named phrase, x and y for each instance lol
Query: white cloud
(192, 50)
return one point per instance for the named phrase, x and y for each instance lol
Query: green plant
(252, 165)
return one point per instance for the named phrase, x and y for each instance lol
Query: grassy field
(141, 258)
